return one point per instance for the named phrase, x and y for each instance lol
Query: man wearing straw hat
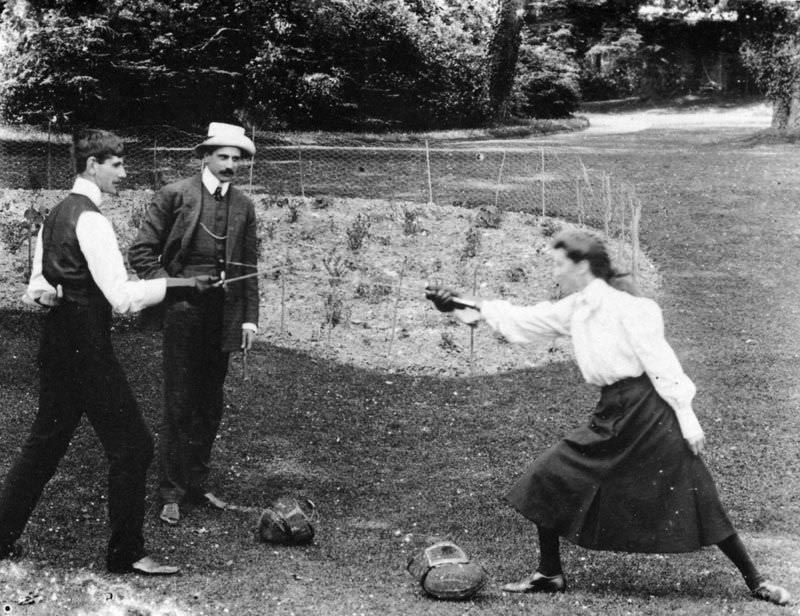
(200, 225)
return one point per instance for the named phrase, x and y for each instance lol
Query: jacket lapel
(236, 215)
(192, 206)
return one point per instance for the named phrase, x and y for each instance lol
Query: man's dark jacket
(164, 239)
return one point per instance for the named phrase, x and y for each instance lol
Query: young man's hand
(696, 444)
(248, 337)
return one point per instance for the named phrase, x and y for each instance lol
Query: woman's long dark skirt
(626, 481)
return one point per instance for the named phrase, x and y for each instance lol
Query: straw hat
(221, 135)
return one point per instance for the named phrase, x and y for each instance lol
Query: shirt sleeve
(644, 328)
(99, 245)
(39, 291)
(528, 323)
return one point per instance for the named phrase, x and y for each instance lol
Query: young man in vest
(78, 272)
(201, 225)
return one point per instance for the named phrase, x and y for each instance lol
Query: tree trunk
(503, 54)
(786, 114)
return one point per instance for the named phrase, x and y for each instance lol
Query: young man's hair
(92, 142)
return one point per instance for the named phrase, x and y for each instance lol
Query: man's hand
(696, 444)
(248, 337)
(204, 283)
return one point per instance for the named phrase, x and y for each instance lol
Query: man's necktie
(218, 194)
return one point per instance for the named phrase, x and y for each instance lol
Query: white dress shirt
(99, 246)
(211, 183)
(615, 335)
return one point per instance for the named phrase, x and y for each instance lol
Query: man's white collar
(89, 189)
(211, 182)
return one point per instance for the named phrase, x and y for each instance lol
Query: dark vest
(63, 262)
(206, 254)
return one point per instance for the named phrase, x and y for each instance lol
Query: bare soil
(356, 294)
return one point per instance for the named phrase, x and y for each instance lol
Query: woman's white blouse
(615, 335)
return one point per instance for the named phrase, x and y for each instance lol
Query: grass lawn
(393, 461)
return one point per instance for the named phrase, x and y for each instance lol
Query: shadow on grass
(393, 462)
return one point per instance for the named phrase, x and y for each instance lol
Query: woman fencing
(632, 479)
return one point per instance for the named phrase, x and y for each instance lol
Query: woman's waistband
(625, 383)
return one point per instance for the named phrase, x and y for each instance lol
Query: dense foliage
(771, 50)
(126, 62)
(547, 81)
(298, 63)
(377, 64)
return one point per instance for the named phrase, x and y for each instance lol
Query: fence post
(49, 151)
(541, 179)
(283, 303)
(608, 200)
(252, 163)
(29, 271)
(155, 163)
(636, 217)
(428, 163)
(302, 176)
(394, 311)
(621, 244)
(499, 178)
(472, 326)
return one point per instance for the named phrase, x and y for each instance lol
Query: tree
(50, 67)
(771, 50)
(317, 64)
(120, 62)
(503, 53)
(376, 63)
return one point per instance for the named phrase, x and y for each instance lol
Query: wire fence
(521, 179)
(317, 279)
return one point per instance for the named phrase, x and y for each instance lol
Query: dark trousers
(194, 373)
(79, 373)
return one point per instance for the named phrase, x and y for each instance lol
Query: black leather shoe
(536, 582)
(11, 551)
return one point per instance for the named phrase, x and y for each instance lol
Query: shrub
(424, 67)
(357, 231)
(488, 217)
(333, 302)
(373, 286)
(550, 227)
(411, 223)
(292, 211)
(546, 85)
(14, 234)
(516, 274)
(612, 68)
(472, 243)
